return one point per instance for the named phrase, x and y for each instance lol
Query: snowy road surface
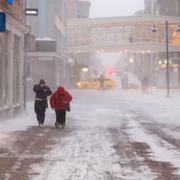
(111, 135)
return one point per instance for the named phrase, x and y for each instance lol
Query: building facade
(50, 22)
(83, 9)
(162, 7)
(71, 6)
(158, 61)
(50, 26)
(12, 59)
(83, 59)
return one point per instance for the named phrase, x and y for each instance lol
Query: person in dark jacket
(102, 80)
(59, 102)
(42, 91)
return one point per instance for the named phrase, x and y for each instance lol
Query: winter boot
(56, 125)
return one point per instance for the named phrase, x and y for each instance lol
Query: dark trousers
(102, 85)
(60, 116)
(40, 108)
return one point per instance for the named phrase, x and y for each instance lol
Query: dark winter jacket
(60, 99)
(42, 92)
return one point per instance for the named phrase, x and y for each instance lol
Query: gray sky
(109, 8)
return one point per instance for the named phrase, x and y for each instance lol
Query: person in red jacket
(59, 102)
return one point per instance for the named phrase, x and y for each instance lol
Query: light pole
(167, 59)
(154, 29)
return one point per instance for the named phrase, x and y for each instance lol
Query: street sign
(10, 1)
(31, 12)
(2, 22)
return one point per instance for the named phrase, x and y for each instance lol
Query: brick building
(12, 59)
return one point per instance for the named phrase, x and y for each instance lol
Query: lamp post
(154, 29)
(167, 59)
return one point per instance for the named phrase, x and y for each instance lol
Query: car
(95, 84)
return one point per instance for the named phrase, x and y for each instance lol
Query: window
(3, 68)
(16, 70)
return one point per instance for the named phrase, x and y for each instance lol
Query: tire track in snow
(132, 163)
(27, 149)
(161, 156)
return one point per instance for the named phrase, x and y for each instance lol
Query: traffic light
(2, 22)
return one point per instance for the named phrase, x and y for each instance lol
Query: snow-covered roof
(45, 39)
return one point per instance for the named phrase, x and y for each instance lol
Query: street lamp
(167, 59)
(154, 29)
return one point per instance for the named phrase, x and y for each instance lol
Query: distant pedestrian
(145, 85)
(59, 101)
(42, 91)
(102, 80)
(130, 38)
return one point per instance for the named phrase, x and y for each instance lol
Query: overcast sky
(107, 8)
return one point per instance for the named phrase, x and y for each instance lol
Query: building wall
(71, 9)
(83, 9)
(165, 8)
(162, 7)
(51, 20)
(46, 66)
(51, 23)
(83, 59)
(12, 62)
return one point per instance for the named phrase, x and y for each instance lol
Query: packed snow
(88, 151)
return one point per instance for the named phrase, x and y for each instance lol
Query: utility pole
(167, 58)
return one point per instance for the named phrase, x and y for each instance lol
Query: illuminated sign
(31, 12)
(2, 22)
(10, 1)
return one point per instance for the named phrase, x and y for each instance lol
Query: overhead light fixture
(131, 60)
(160, 62)
(84, 69)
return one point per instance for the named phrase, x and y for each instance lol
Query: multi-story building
(12, 59)
(165, 8)
(83, 8)
(71, 6)
(83, 59)
(49, 27)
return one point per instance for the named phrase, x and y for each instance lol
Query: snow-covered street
(111, 135)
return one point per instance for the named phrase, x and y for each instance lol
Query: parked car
(95, 84)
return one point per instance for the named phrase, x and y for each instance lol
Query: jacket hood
(60, 90)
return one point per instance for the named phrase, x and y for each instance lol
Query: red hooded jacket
(60, 99)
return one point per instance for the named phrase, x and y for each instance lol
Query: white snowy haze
(130, 131)
(111, 8)
(98, 141)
